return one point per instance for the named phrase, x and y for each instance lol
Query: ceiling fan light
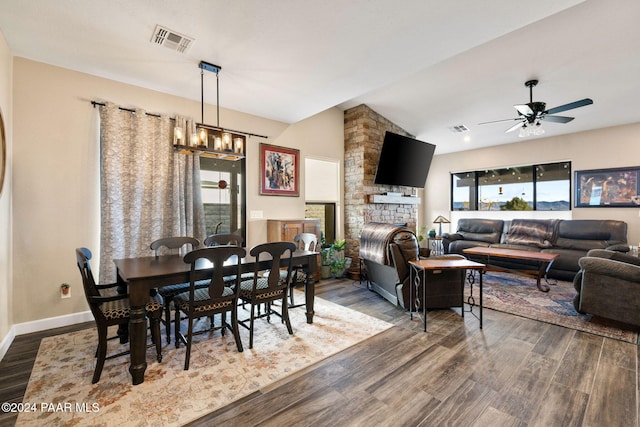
(524, 131)
(538, 129)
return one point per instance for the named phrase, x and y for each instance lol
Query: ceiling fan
(529, 115)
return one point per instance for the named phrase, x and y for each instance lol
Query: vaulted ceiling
(426, 65)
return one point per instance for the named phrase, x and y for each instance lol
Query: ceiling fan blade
(524, 109)
(514, 127)
(498, 121)
(557, 119)
(570, 106)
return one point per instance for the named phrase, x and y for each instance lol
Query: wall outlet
(65, 291)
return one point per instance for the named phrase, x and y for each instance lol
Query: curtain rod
(101, 104)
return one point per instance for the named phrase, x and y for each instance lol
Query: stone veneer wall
(364, 131)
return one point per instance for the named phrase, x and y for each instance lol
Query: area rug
(60, 392)
(515, 294)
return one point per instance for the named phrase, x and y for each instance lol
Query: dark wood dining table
(142, 274)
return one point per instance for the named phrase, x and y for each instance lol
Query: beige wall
(55, 185)
(6, 294)
(603, 148)
(52, 197)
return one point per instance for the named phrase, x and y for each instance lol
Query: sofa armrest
(615, 256)
(447, 238)
(619, 247)
(610, 268)
(451, 236)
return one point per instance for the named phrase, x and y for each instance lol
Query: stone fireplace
(364, 131)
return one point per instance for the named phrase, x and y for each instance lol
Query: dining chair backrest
(224, 239)
(174, 244)
(83, 255)
(280, 254)
(220, 257)
(306, 241)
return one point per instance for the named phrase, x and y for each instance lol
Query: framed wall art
(279, 171)
(607, 188)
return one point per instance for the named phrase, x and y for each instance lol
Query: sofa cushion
(582, 245)
(481, 230)
(539, 233)
(592, 229)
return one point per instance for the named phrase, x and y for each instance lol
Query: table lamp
(441, 220)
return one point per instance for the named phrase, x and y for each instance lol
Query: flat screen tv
(404, 161)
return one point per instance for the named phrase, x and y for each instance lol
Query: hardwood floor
(513, 372)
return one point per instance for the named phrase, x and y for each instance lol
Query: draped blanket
(540, 233)
(375, 239)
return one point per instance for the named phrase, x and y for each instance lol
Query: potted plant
(337, 260)
(423, 243)
(325, 263)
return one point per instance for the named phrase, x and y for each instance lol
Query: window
(513, 188)
(223, 195)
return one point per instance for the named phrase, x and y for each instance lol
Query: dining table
(140, 275)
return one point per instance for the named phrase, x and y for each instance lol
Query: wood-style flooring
(513, 372)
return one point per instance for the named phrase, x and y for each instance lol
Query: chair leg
(251, 326)
(285, 315)
(293, 285)
(234, 325)
(167, 316)
(101, 353)
(189, 338)
(177, 326)
(157, 336)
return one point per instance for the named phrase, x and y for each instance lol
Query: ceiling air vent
(171, 39)
(459, 129)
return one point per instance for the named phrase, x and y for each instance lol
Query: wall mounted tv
(404, 161)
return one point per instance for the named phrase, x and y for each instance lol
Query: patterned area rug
(514, 294)
(60, 392)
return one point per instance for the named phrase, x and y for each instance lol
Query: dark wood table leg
(310, 288)
(138, 337)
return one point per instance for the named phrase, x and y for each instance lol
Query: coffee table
(543, 261)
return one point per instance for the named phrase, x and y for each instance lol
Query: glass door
(223, 195)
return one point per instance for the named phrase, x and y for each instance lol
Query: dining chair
(173, 245)
(227, 239)
(224, 239)
(305, 242)
(265, 289)
(217, 298)
(113, 310)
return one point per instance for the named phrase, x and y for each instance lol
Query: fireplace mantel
(398, 200)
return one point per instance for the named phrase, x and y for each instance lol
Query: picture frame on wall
(279, 171)
(607, 188)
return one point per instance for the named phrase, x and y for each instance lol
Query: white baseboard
(6, 343)
(42, 325)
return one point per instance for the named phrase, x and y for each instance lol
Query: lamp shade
(441, 220)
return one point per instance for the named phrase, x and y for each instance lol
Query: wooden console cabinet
(283, 230)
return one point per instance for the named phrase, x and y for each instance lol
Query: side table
(435, 243)
(418, 271)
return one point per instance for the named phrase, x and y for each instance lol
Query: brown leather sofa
(386, 250)
(570, 239)
(608, 286)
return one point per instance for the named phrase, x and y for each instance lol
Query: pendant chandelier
(208, 140)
